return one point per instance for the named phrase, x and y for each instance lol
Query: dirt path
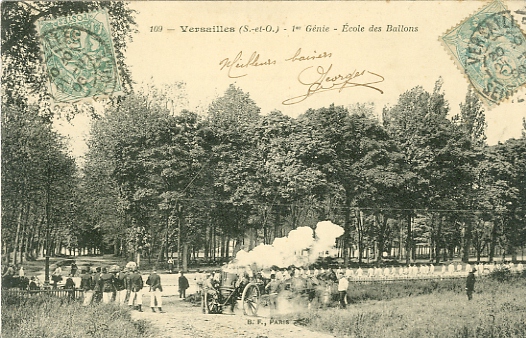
(182, 320)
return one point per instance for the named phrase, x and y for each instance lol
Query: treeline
(156, 181)
(234, 177)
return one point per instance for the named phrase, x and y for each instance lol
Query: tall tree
(435, 151)
(348, 149)
(232, 120)
(38, 176)
(472, 122)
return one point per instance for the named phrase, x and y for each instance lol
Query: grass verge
(43, 316)
(498, 309)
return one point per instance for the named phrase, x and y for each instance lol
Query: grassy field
(498, 309)
(43, 316)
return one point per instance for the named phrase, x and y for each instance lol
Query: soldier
(107, 285)
(451, 268)
(359, 272)
(135, 285)
(97, 291)
(73, 270)
(470, 284)
(183, 285)
(86, 284)
(199, 279)
(170, 265)
(154, 281)
(273, 289)
(343, 285)
(8, 276)
(120, 287)
(56, 276)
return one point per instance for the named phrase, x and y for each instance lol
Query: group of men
(123, 286)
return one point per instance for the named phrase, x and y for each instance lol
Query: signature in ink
(325, 82)
(238, 63)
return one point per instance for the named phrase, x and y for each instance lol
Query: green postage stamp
(79, 56)
(490, 48)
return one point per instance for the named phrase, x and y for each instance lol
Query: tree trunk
(185, 257)
(467, 240)
(17, 234)
(213, 243)
(160, 256)
(207, 242)
(359, 230)
(347, 234)
(227, 249)
(277, 225)
(493, 242)
(438, 240)
(223, 246)
(409, 239)
(237, 246)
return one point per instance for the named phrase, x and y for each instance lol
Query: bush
(501, 274)
(46, 316)
(399, 289)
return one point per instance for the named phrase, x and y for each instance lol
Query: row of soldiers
(411, 270)
(122, 286)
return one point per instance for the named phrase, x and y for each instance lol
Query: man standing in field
(183, 285)
(470, 283)
(343, 285)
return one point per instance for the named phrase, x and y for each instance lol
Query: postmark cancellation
(79, 56)
(490, 49)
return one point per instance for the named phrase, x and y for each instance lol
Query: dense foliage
(155, 181)
(158, 180)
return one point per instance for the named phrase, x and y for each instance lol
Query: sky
(339, 33)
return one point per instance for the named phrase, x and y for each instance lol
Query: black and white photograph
(263, 169)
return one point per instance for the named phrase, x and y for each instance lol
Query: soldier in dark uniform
(183, 285)
(470, 284)
(154, 281)
(135, 285)
(120, 286)
(86, 284)
(97, 291)
(107, 285)
(8, 276)
(73, 270)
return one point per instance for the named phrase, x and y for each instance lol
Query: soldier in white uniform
(359, 272)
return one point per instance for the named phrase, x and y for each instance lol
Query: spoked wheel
(210, 303)
(250, 299)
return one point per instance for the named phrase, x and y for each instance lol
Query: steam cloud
(300, 248)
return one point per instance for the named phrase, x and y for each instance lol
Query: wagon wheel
(250, 299)
(209, 303)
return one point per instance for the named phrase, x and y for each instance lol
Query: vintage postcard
(263, 169)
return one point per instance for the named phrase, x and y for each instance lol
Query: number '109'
(156, 29)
